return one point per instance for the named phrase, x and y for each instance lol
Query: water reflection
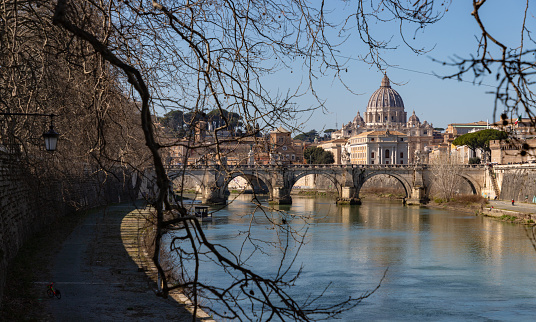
(442, 265)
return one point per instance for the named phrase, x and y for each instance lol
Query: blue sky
(438, 101)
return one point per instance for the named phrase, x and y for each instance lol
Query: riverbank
(522, 213)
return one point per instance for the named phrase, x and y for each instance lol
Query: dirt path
(98, 279)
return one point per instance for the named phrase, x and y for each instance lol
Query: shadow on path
(98, 279)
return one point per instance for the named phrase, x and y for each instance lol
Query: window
(372, 155)
(401, 155)
(372, 139)
(387, 154)
(387, 162)
(392, 118)
(425, 132)
(371, 162)
(401, 162)
(401, 139)
(293, 157)
(385, 118)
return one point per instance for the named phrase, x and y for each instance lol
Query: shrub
(439, 200)
(470, 199)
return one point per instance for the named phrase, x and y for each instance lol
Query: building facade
(378, 147)
(284, 149)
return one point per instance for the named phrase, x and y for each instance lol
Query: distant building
(378, 147)
(385, 111)
(509, 152)
(283, 149)
(517, 128)
(335, 147)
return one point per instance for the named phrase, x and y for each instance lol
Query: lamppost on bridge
(50, 136)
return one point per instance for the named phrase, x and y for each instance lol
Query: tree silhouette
(317, 155)
(480, 139)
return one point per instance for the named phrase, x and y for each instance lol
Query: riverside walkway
(523, 207)
(98, 271)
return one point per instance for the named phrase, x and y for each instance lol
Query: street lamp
(51, 136)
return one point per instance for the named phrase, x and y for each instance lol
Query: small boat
(201, 212)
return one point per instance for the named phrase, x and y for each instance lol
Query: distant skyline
(437, 101)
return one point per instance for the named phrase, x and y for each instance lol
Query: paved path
(528, 208)
(98, 279)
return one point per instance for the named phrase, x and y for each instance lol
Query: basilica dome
(385, 107)
(385, 97)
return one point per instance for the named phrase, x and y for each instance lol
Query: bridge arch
(174, 177)
(403, 181)
(475, 187)
(253, 179)
(330, 176)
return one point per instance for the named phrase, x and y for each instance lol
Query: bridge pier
(214, 196)
(281, 196)
(418, 195)
(349, 197)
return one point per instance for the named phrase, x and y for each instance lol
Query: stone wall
(28, 203)
(517, 182)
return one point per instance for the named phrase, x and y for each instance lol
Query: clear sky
(438, 101)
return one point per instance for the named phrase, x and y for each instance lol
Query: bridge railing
(288, 166)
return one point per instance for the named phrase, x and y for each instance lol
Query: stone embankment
(132, 235)
(517, 182)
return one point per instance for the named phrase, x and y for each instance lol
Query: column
(380, 157)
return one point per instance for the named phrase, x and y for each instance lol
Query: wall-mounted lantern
(51, 136)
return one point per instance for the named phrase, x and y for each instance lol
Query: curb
(131, 234)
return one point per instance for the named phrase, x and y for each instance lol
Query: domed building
(385, 111)
(385, 107)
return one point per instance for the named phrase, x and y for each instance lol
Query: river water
(442, 265)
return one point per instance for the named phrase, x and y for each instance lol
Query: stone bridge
(347, 179)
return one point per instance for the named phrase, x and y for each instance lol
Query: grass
(462, 200)
(390, 193)
(317, 193)
(508, 218)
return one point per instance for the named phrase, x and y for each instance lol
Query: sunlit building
(378, 147)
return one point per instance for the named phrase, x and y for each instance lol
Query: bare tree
(446, 177)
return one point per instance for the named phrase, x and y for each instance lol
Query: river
(442, 265)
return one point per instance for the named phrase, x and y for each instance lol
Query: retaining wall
(517, 182)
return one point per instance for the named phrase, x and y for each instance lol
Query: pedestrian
(512, 202)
